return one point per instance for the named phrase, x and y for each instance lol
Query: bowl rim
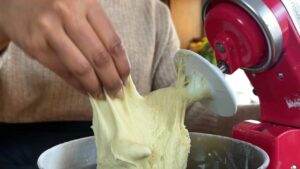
(266, 159)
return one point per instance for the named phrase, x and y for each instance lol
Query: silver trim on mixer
(268, 24)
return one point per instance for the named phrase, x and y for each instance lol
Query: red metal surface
(278, 88)
(281, 143)
(231, 26)
(280, 97)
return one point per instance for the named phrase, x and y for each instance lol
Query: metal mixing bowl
(207, 152)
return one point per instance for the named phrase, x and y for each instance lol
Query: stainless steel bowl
(207, 152)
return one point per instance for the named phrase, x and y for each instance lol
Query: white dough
(146, 132)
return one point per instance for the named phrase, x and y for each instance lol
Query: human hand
(73, 38)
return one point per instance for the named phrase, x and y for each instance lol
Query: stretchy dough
(146, 132)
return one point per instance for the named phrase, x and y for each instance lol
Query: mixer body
(263, 38)
(280, 142)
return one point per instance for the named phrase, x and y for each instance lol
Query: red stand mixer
(263, 38)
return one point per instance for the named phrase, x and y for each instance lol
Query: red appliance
(262, 37)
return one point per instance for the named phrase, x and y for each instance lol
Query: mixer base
(280, 142)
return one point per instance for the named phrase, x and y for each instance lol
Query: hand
(73, 38)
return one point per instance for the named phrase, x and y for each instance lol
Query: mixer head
(263, 38)
(244, 34)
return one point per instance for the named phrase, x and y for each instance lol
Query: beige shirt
(30, 92)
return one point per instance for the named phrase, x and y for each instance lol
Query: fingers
(49, 60)
(85, 50)
(110, 39)
(92, 48)
(90, 54)
(74, 61)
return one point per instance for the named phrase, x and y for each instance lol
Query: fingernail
(98, 95)
(120, 94)
(118, 50)
(125, 81)
(117, 94)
